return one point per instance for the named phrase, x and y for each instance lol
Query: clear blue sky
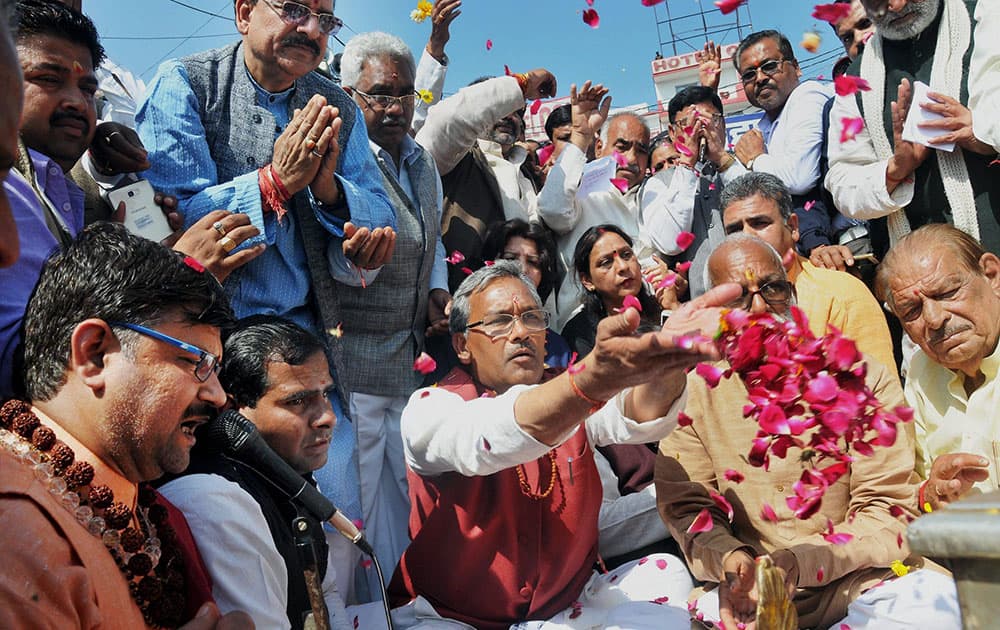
(526, 34)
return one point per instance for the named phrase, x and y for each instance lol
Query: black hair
(840, 68)
(55, 19)
(693, 95)
(108, 273)
(500, 232)
(558, 117)
(581, 264)
(255, 342)
(784, 46)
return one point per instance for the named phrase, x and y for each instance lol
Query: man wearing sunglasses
(502, 476)
(760, 204)
(822, 579)
(788, 141)
(410, 295)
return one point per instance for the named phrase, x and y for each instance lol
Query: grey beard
(926, 12)
(503, 138)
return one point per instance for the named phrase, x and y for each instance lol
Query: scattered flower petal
(819, 575)
(545, 153)
(422, 12)
(711, 373)
(684, 420)
(899, 540)
(426, 96)
(811, 41)
(661, 564)
(807, 206)
(466, 271)
(194, 264)
(537, 105)
(723, 504)
(489, 44)
(682, 267)
(337, 331)
(832, 13)
(650, 3)
(846, 84)
(850, 127)
(425, 364)
(643, 560)
(591, 19)
(684, 240)
(767, 513)
(574, 367)
(899, 568)
(621, 184)
(660, 600)
(455, 258)
(630, 301)
(728, 6)
(701, 523)
(734, 476)
(681, 148)
(620, 159)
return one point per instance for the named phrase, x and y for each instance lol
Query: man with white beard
(899, 184)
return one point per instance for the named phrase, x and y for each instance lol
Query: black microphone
(233, 434)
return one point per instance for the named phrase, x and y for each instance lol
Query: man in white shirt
(472, 137)
(579, 195)
(789, 138)
(276, 374)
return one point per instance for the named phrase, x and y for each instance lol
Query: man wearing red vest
(504, 491)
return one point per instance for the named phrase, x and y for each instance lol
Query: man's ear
(91, 343)
(598, 146)
(793, 225)
(243, 9)
(989, 263)
(460, 343)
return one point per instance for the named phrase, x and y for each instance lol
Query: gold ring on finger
(227, 244)
(218, 227)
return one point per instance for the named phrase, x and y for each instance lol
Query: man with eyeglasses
(505, 491)
(410, 294)
(251, 128)
(121, 348)
(898, 181)
(760, 204)
(822, 579)
(788, 141)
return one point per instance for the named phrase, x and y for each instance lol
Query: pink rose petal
(684, 420)
(591, 19)
(734, 476)
(710, 373)
(649, 3)
(537, 105)
(621, 184)
(630, 301)
(728, 6)
(681, 148)
(850, 127)
(846, 85)
(661, 564)
(832, 13)
(682, 267)
(425, 364)
(723, 504)
(809, 205)
(620, 159)
(455, 258)
(819, 575)
(767, 513)
(489, 44)
(684, 240)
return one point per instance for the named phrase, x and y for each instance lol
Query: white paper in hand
(597, 176)
(917, 115)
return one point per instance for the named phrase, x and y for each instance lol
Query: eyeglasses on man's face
(381, 102)
(207, 363)
(502, 324)
(712, 119)
(777, 293)
(298, 14)
(769, 68)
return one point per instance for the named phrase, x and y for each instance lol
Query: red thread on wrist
(278, 184)
(595, 405)
(272, 198)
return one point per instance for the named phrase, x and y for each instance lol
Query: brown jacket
(694, 459)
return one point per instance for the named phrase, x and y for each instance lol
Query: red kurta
(486, 554)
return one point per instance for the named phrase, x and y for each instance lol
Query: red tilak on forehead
(78, 68)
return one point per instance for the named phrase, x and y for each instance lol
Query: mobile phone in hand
(142, 216)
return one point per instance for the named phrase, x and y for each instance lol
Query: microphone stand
(345, 527)
(307, 554)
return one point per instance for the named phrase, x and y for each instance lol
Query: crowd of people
(480, 347)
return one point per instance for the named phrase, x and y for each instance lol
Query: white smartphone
(142, 216)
